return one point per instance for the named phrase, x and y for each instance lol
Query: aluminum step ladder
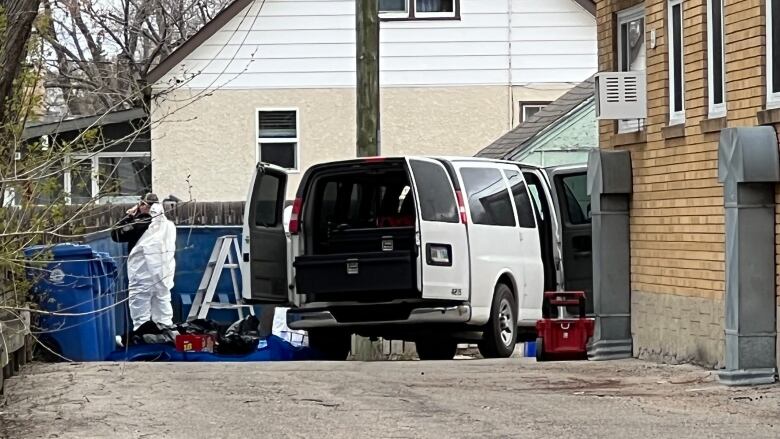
(225, 255)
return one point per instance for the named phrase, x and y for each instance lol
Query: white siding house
(275, 80)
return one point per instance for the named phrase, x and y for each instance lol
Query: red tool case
(194, 343)
(563, 338)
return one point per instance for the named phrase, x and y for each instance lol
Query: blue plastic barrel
(529, 349)
(68, 280)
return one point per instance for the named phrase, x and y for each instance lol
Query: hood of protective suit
(152, 260)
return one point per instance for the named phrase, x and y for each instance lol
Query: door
(494, 236)
(547, 226)
(443, 244)
(267, 278)
(573, 206)
(530, 302)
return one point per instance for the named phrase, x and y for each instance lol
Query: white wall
(311, 44)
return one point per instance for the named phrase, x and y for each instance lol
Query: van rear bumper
(303, 318)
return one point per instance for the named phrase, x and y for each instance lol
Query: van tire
(329, 344)
(436, 348)
(500, 334)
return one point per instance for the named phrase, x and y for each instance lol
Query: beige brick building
(720, 48)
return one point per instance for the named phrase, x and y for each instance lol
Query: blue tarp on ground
(270, 349)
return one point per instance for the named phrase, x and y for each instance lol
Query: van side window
(573, 190)
(267, 201)
(437, 197)
(488, 197)
(525, 213)
(534, 190)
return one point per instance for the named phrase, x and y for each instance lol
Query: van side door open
(573, 203)
(443, 241)
(266, 277)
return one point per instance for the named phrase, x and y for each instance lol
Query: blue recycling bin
(105, 274)
(76, 282)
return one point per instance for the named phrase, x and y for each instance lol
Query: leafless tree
(100, 51)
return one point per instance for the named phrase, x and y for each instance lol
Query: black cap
(150, 198)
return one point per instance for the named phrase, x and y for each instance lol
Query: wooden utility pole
(367, 66)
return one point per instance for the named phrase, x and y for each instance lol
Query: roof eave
(588, 5)
(82, 123)
(192, 43)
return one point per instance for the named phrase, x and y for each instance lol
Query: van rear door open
(266, 250)
(444, 248)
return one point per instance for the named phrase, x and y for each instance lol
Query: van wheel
(435, 348)
(331, 345)
(500, 335)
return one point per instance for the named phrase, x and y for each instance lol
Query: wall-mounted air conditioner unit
(621, 95)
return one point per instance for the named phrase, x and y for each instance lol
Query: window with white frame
(277, 137)
(631, 51)
(114, 178)
(418, 9)
(773, 53)
(106, 178)
(527, 110)
(674, 42)
(716, 67)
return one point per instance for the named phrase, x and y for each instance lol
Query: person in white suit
(150, 269)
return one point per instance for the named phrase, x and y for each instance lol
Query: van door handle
(246, 257)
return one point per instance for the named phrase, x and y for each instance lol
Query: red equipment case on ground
(563, 338)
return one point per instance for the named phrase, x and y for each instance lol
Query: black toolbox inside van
(360, 272)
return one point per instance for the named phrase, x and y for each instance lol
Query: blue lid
(66, 250)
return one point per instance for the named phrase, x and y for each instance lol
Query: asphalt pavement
(515, 398)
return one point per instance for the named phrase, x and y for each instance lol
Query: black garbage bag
(240, 338)
(154, 333)
(204, 326)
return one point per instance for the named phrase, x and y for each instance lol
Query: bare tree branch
(107, 47)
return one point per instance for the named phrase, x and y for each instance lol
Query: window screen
(437, 198)
(488, 197)
(267, 199)
(525, 212)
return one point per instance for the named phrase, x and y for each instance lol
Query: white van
(432, 250)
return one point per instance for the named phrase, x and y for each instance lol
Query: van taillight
(461, 207)
(295, 216)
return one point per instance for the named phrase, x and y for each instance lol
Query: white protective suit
(150, 269)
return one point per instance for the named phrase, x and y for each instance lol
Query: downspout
(511, 94)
